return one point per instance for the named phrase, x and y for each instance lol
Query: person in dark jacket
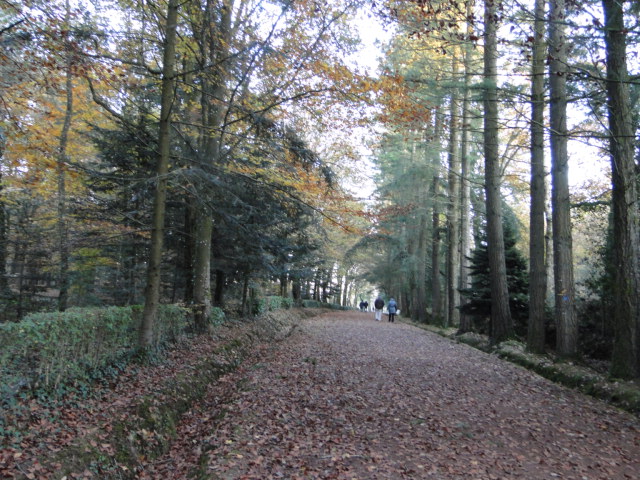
(392, 308)
(378, 305)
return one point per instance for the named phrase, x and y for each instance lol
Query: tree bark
(152, 290)
(537, 257)
(419, 309)
(465, 185)
(453, 208)
(501, 323)
(5, 291)
(216, 38)
(62, 227)
(567, 325)
(436, 295)
(626, 358)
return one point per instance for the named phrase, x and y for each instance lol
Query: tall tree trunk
(453, 209)
(245, 290)
(296, 291)
(436, 294)
(217, 38)
(626, 357)
(189, 248)
(501, 323)
(5, 291)
(419, 309)
(567, 325)
(152, 290)
(465, 170)
(537, 258)
(62, 227)
(218, 294)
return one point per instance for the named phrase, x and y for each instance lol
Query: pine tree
(478, 296)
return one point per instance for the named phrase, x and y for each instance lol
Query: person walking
(392, 308)
(378, 306)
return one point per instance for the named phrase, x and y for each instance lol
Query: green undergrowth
(150, 426)
(622, 394)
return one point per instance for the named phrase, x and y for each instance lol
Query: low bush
(318, 304)
(263, 305)
(50, 351)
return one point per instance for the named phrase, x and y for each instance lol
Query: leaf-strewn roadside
(622, 394)
(342, 397)
(115, 430)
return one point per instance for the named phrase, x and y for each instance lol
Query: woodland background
(211, 153)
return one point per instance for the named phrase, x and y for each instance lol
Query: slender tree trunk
(567, 325)
(345, 283)
(189, 248)
(420, 306)
(62, 227)
(465, 185)
(537, 258)
(419, 309)
(626, 357)
(217, 38)
(152, 290)
(5, 291)
(453, 209)
(501, 323)
(436, 295)
(218, 294)
(296, 291)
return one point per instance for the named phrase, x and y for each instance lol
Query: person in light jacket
(378, 305)
(392, 308)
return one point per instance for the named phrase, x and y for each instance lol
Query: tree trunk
(218, 294)
(567, 325)
(245, 290)
(537, 258)
(189, 249)
(419, 309)
(216, 38)
(5, 291)
(453, 209)
(501, 323)
(152, 290)
(436, 295)
(465, 185)
(626, 359)
(62, 227)
(296, 291)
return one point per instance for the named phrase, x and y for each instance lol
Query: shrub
(263, 305)
(50, 350)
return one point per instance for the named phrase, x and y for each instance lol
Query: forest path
(346, 397)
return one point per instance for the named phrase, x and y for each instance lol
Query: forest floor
(346, 397)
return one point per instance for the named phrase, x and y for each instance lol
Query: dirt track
(346, 397)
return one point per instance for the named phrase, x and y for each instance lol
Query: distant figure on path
(361, 305)
(392, 308)
(366, 306)
(378, 305)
